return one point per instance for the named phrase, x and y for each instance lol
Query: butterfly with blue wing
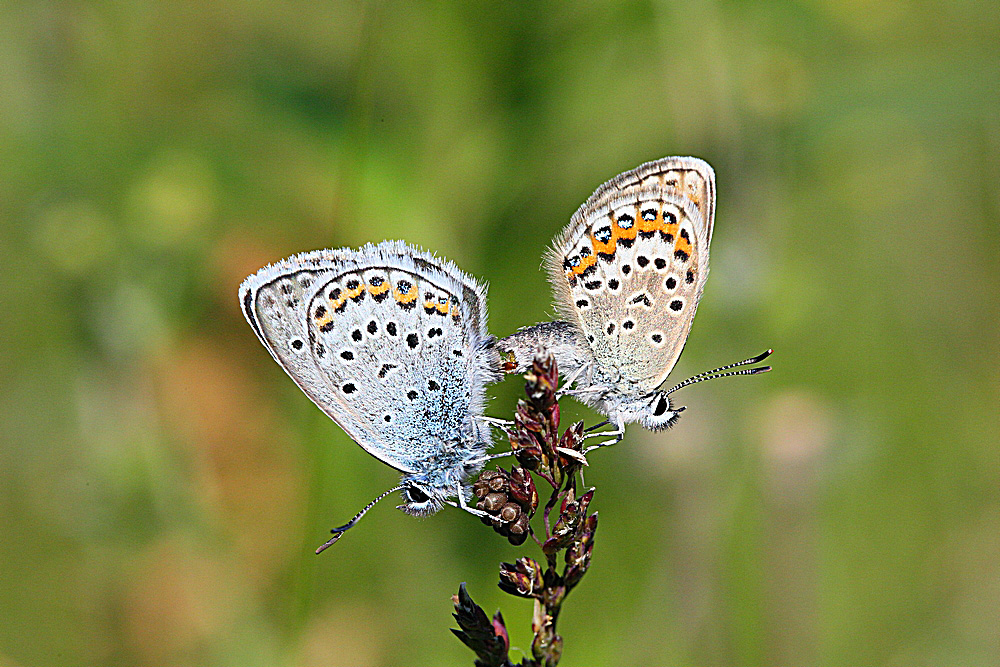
(391, 343)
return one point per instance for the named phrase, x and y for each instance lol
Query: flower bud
(523, 577)
(494, 501)
(546, 649)
(578, 555)
(572, 437)
(517, 540)
(522, 489)
(520, 526)
(510, 512)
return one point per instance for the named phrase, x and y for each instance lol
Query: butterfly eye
(661, 406)
(415, 495)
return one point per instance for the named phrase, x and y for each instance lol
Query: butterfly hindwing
(630, 268)
(688, 177)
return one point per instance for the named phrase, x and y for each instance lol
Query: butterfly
(391, 343)
(628, 272)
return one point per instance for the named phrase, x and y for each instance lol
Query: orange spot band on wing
(381, 289)
(653, 225)
(683, 245)
(406, 297)
(607, 248)
(585, 263)
(670, 228)
(337, 304)
(620, 233)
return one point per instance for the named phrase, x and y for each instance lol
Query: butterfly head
(428, 490)
(654, 411)
(420, 499)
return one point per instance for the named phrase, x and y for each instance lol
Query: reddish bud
(500, 630)
(522, 489)
(522, 578)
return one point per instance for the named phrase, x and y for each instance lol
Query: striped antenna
(717, 373)
(338, 532)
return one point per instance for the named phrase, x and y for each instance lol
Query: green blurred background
(163, 483)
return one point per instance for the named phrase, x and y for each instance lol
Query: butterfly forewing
(630, 269)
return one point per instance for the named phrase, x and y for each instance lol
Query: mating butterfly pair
(392, 343)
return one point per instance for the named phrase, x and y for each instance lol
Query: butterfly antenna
(717, 373)
(338, 532)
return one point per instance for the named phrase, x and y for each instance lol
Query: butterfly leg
(471, 510)
(616, 436)
(597, 426)
(491, 457)
(567, 383)
(592, 432)
(495, 422)
(583, 391)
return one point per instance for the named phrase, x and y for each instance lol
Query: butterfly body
(391, 343)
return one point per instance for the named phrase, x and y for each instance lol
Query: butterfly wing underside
(630, 267)
(388, 341)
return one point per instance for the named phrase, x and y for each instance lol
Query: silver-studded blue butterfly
(391, 343)
(628, 272)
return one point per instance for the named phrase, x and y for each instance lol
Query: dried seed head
(510, 512)
(517, 540)
(494, 501)
(520, 526)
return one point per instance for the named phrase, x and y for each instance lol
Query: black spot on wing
(643, 299)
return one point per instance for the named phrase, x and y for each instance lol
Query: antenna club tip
(762, 356)
(329, 543)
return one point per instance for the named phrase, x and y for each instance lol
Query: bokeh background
(163, 483)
